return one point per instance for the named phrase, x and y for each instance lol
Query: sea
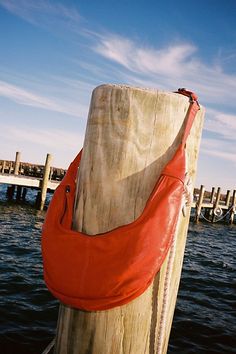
(205, 314)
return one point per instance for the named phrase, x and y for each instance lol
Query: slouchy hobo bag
(112, 268)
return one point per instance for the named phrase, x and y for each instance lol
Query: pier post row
(21, 176)
(131, 134)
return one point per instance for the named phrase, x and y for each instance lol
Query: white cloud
(218, 148)
(43, 13)
(34, 144)
(167, 68)
(222, 124)
(55, 138)
(28, 98)
(169, 60)
(171, 66)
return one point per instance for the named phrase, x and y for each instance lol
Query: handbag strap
(191, 114)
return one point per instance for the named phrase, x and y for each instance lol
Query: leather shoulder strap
(192, 111)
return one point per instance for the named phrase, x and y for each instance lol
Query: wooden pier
(19, 176)
(214, 206)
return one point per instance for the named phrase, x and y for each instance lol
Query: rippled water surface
(205, 316)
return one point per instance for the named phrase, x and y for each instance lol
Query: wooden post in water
(50, 173)
(44, 183)
(207, 210)
(17, 163)
(233, 208)
(199, 203)
(212, 195)
(216, 204)
(10, 192)
(131, 134)
(10, 167)
(24, 194)
(18, 193)
(3, 166)
(227, 198)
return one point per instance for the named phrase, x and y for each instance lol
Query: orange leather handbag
(112, 268)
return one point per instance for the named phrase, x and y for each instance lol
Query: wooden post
(18, 193)
(17, 163)
(10, 167)
(3, 166)
(24, 194)
(212, 195)
(51, 173)
(10, 192)
(216, 204)
(44, 183)
(227, 198)
(131, 134)
(199, 203)
(207, 210)
(233, 208)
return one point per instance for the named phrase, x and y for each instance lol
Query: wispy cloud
(108, 57)
(43, 13)
(28, 98)
(170, 60)
(55, 138)
(222, 124)
(218, 148)
(35, 143)
(223, 128)
(176, 64)
(169, 66)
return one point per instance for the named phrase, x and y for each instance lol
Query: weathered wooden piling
(212, 195)
(227, 198)
(199, 203)
(3, 167)
(17, 163)
(131, 134)
(216, 204)
(212, 198)
(18, 193)
(10, 168)
(24, 194)
(44, 183)
(233, 208)
(10, 192)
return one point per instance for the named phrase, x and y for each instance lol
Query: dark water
(205, 316)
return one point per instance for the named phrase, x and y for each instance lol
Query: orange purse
(112, 268)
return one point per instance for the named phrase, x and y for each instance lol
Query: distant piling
(216, 205)
(17, 163)
(233, 207)
(45, 179)
(3, 167)
(227, 198)
(199, 203)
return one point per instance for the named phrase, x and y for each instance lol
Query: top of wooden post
(131, 134)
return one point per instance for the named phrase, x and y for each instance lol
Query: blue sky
(54, 53)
